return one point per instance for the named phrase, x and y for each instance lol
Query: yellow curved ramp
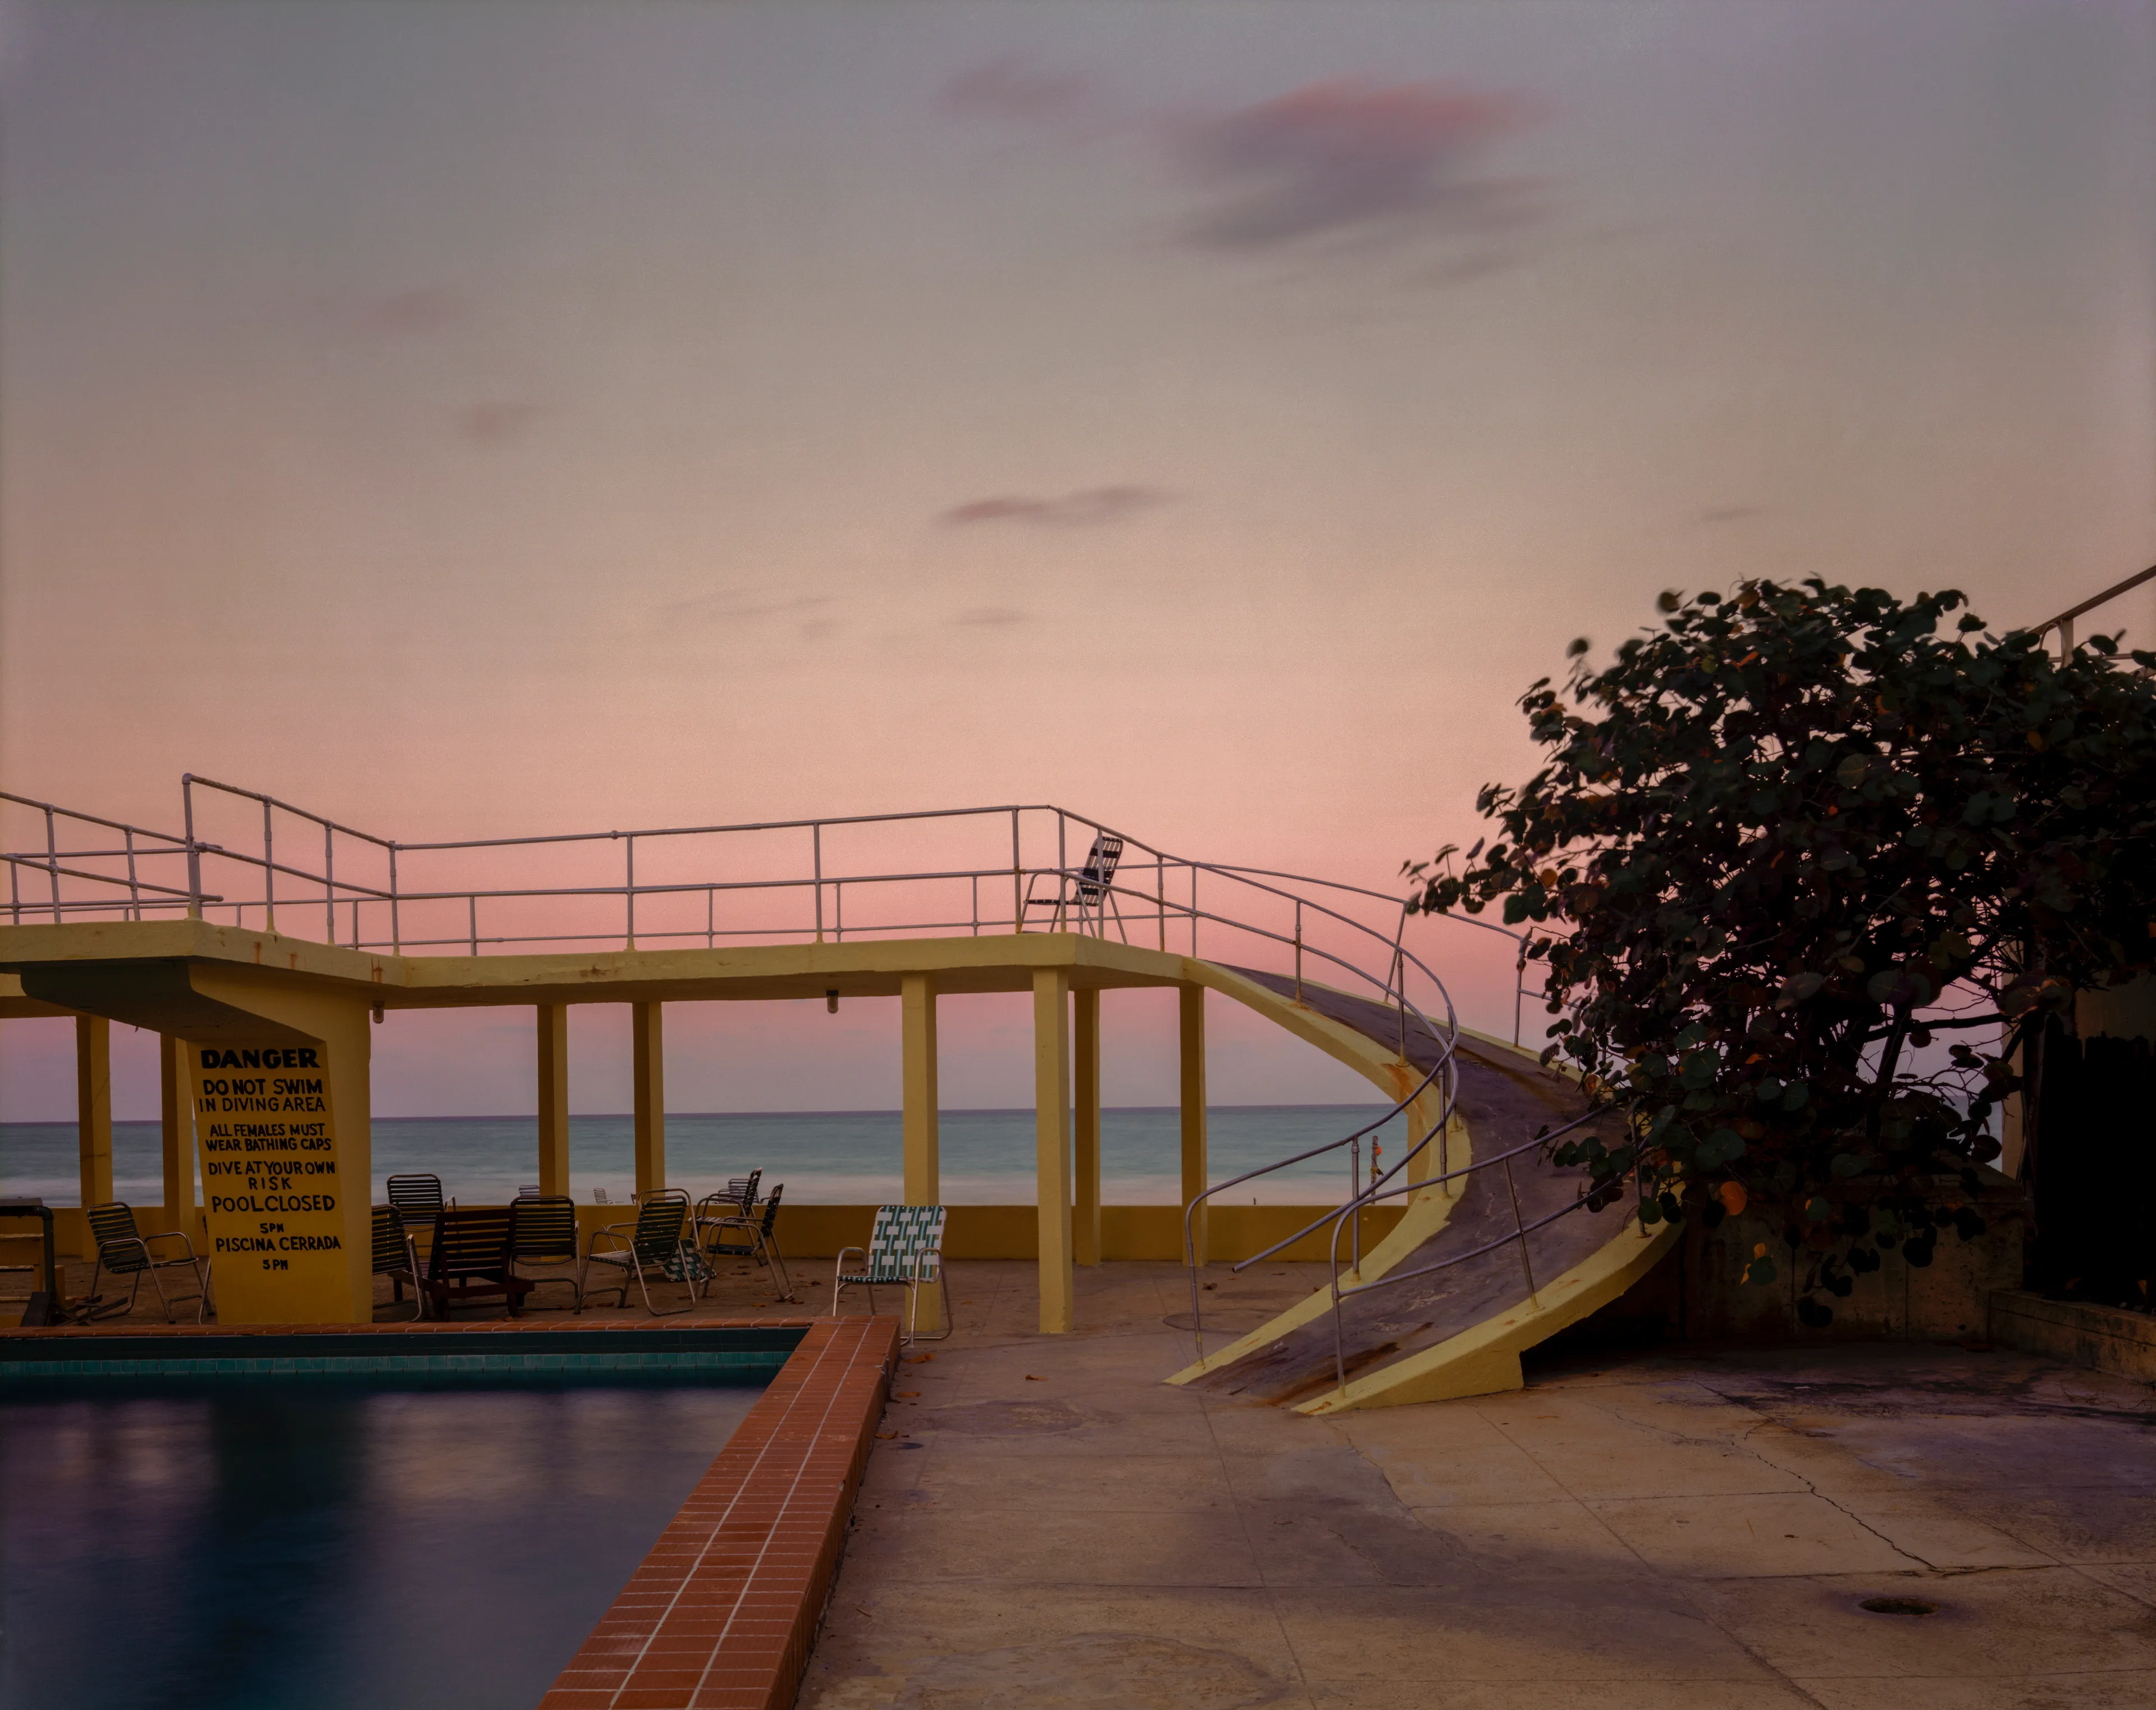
(1485, 1294)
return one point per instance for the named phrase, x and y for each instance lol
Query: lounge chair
(748, 1237)
(417, 1199)
(543, 1232)
(397, 1259)
(658, 1241)
(904, 1250)
(470, 1260)
(125, 1251)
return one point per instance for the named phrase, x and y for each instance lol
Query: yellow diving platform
(262, 941)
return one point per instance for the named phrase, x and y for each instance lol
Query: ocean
(835, 1157)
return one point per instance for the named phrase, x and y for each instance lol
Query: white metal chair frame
(123, 1250)
(645, 1245)
(904, 1250)
(757, 1233)
(1089, 893)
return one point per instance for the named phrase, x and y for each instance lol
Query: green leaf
(1798, 989)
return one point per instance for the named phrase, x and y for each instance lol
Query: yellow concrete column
(1051, 1098)
(1191, 1016)
(648, 1070)
(176, 1113)
(1086, 1208)
(93, 1106)
(918, 1102)
(916, 1002)
(553, 1098)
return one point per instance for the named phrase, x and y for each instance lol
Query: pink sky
(470, 419)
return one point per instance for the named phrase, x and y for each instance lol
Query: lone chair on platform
(1092, 893)
(397, 1259)
(125, 1251)
(904, 1250)
(470, 1260)
(753, 1238)
(659, 1241)
(543, 1232)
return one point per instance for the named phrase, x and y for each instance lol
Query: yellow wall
(973, 1232)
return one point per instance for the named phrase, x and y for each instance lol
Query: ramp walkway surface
(1458, 1330)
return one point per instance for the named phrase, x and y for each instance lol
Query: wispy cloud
(423, 308)
(1351, 158)
(1349, 163)
(992, 617)
(1088, 508)
(1012, 88)
(497, 421)
(743, 605)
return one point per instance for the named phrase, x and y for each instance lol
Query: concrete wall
(2102, 1339)
(1697, 1293)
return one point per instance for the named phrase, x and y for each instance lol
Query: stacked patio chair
(125, 1251)
(543, 1233)
(470, 1260)
(734, 1205)
(750, 1238)
(904, 1250)
(660, 1243)
(396, 1258)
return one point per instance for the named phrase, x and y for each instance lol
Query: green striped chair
(904, 1250)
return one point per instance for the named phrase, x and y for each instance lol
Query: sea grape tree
(1808, 866)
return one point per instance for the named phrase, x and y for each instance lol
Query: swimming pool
(442, 1534)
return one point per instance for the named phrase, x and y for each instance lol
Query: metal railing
(62, 868)
(276, 866)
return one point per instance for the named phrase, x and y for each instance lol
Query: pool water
(298, 1545)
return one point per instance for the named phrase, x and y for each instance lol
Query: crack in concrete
(1742, 1441)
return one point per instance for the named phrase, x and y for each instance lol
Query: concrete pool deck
(1046, 1524)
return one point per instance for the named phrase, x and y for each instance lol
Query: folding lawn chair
(904, 1250)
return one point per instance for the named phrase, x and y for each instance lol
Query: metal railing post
(53, 864)
(816, 841)
(268, 872)
(395, 931)
(473, 900)
(1354, 1198)
(1160, 891)
(194, 850)
(1519, 989)
(1017, 891)
(838, 910)
(329, 878)
(1519, 1225)
(1298, 949)
(629, 894)
(134, 890)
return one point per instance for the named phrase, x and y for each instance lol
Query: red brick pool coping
(722, 1612)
